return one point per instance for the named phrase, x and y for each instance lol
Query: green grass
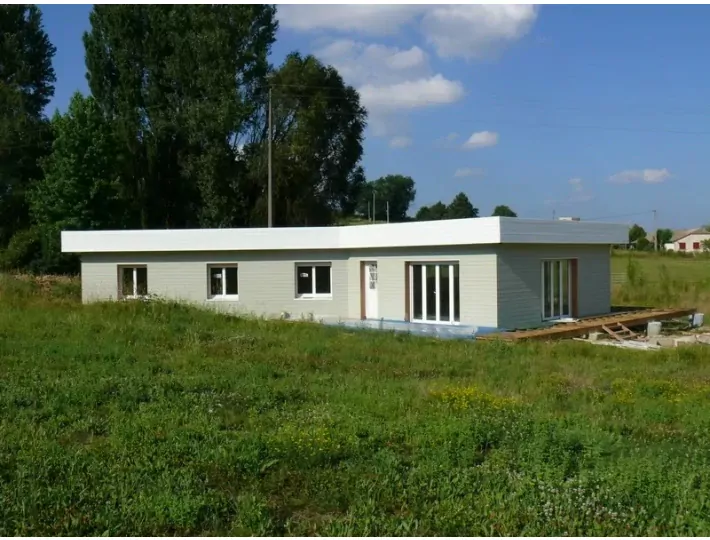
(661, 280)
(153, 419)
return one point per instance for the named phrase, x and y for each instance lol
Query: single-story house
(688, 240)
(493, 272)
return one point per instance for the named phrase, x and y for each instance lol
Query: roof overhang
(476, 231)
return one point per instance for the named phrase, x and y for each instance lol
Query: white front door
(371, 290)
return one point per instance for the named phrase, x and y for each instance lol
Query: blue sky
(591, 111)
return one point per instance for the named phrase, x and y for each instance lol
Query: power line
(644, 213)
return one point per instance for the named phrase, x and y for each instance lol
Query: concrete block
(594, 336)
(684, 340)
(667, 342)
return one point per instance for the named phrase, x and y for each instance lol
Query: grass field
(150, 419)
(650, 279)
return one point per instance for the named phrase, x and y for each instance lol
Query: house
(688, 240)
(492, 272)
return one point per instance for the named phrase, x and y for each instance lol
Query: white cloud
(646, 176)
(481, 139)
(476, 30)
(400, 142)
(362, 18)
(577, 184)
(468, 172)
(467, 31)
(452, 137)
(389, 78)
(434, 90)
(360, 63)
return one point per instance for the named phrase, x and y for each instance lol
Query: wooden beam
(584, 326)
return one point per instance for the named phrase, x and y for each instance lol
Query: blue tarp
(445, 331)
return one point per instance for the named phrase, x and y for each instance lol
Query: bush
(38, 251)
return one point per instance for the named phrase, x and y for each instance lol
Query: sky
(598, 112)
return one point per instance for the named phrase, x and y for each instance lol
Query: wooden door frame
(574, 286)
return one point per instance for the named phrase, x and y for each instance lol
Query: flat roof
(455, 232)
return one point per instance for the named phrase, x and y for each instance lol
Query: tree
(461, 208)
(318, 129)
(81, 188)
(664, 236)
(638, 237)
(503, 210)
(183, 87)
(435, 212)
(396, 189)
(26, 86)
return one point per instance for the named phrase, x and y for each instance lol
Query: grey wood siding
(267, 280)
(477, 280)
(520, 281)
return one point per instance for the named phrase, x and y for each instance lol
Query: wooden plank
(585, 326)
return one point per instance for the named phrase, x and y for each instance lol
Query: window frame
(312, 266)
(224, 296)
(134, 295)
(557, 267)
(696, 246)
(451, 264)
(681, 246)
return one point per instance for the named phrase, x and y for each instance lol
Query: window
(133, 281)
(223, 282)
(434, 292)
(696, 245)
(681, 246)
(313, 280)
(556, 289)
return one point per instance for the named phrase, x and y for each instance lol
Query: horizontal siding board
(477, 280)
(520, 281)
(266, 280)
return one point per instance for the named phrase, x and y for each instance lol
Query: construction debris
(638, 345)
(615, 323)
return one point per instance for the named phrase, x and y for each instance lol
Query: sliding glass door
(434, 294)
(556, 289)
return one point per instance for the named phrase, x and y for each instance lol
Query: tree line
(639, 238)
(174, 132)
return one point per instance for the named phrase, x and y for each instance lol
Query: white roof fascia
(490, 230)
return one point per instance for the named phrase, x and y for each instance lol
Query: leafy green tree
(184, 86)
(637, 237)
(318, 129)
(435, 212)
(396, 189)
(26, 87)
(503, 210)
(664, 236)
(461, 208)
(81, 188)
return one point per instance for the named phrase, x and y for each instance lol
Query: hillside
(152, 419)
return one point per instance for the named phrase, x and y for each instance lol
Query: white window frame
(313, 266)
(452, 299)
(556, 265)
(134, 294)
(223, 295)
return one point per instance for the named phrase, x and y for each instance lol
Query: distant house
(688, 240)
(490, 272)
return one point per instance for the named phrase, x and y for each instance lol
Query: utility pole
(553, 215)
(388, 211)
(368, 210)
(374, 214)
(268, 195)
(655, 233)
